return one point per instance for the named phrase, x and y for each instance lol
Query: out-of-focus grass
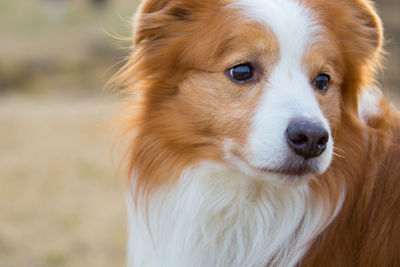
(61, 204)
(60, 201)
(61, 47)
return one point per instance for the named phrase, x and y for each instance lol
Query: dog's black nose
(307, 138)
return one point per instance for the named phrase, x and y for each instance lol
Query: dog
(258, 136)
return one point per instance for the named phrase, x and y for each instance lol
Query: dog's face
(257, 83)
(270, 97)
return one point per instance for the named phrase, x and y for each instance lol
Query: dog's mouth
(295, 168)
(291, 168)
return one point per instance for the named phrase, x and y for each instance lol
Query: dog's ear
(364, 28)
(373, 24)
(364, 47)
(360, 37)
(155, 17)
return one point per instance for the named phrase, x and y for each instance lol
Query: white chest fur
(216, 216)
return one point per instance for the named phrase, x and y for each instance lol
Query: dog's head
(258, 84)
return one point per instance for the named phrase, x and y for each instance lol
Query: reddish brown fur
(178, 123)
(367, 230)
(173, 55)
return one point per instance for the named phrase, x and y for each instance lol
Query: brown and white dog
(259, 137)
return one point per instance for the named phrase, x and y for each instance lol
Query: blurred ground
(60, 201)
(61, 204)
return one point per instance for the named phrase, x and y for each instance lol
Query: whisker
(338, 155)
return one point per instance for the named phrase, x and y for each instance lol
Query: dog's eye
(322, 82)
(241, 73)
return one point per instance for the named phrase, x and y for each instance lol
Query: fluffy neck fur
(214, 216)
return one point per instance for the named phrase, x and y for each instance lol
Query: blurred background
(61, 200)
